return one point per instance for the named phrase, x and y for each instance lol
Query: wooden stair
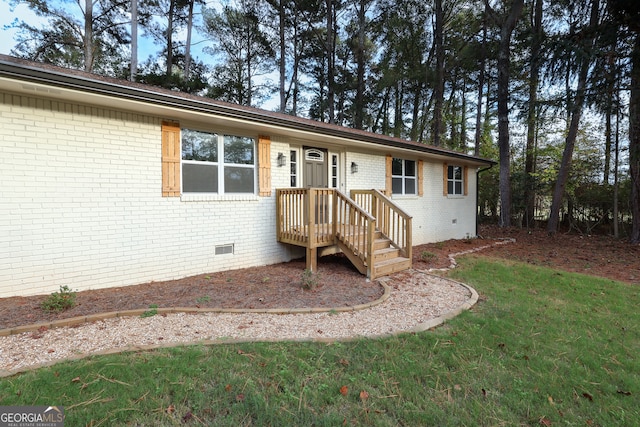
(387, 259)
(371, 230)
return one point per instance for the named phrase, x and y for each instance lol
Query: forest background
(550, 90)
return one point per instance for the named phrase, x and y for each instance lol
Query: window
(403, 176)
(334, 171)
(454, 181)
(213, 163)
(293, 154)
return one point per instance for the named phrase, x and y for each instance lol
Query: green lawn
(542, 347)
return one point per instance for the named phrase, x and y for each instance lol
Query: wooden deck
(318, 217)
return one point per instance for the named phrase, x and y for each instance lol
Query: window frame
(404, 177)
(334, 170)
(452, 181)
(221, 164)
(294, 167)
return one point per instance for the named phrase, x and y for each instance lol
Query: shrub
(427, 256)
(59, 301)
(309, 279)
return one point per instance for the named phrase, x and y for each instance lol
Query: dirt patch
(339, 284)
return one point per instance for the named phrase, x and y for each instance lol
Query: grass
(541, 348)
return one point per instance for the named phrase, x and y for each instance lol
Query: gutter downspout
(477, 191)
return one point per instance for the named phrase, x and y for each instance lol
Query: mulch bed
(339, 284)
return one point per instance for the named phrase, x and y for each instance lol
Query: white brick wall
(81, 205)
(434, 214)
(435, 217)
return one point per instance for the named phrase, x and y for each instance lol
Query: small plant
(309, 279)
(203, 299)
(153, 310)
(427, 256)
(59, 301)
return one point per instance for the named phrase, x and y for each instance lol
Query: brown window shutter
(445, 175)
(420, 180)
(387, 177)
(264, 166)
(465, 181)
(170, 159)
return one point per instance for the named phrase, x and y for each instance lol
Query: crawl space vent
(224, 249)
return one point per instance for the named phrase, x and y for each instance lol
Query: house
(111, 183)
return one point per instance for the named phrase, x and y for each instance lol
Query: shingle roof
(47, 74)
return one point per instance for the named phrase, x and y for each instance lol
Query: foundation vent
(224, 249)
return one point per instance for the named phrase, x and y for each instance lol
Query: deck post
(312, 259)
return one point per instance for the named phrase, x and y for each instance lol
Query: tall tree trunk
(608, 141)
(504, 50)
(88, 36)
(576, 113)
(187, 49)
(283, 54)
(438, 90)
(134, 40)
(415, 113)
(330, 61)
(463, 116)
(172, 4)
(534, 78)
(616, 231)
(483, 62)
(360, 63)
(294, 77)
(397, 120)
(634, 140)
(611, 88)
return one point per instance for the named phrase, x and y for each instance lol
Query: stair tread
(396, 260)
(385, 250)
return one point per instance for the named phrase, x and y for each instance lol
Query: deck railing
(355, 229)
(392, 221)
(305, 216)
(317, 217)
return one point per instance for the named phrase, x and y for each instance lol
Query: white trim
(314, 155)
(337, 174)
(297, 166)
(404, 177)
(453, 180)
(221, 164)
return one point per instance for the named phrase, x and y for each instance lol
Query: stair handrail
(392, 220)
(355, 228)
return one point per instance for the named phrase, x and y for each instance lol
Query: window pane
(450, 172)
(409, 168)
(238, 150)
(409, 186)
(396, 167)
(396, 185)
(450, 187)
(238, 180)
(458, 172)
(458, 187)
(199, 178)
(201, 146)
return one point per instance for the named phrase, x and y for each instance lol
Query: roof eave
(165, 98)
